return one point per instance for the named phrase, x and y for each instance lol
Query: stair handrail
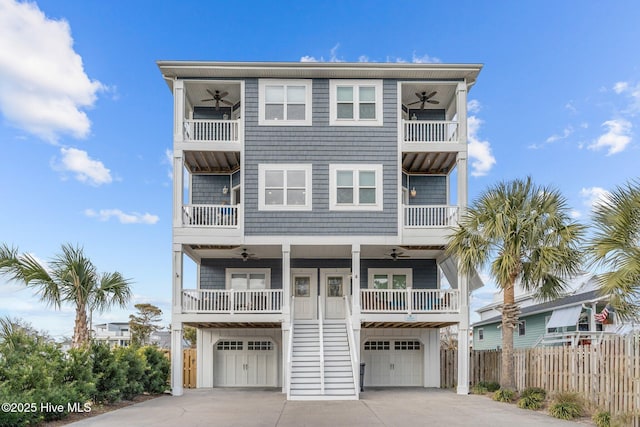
(321, 334)
(290, 350)
(352, 347)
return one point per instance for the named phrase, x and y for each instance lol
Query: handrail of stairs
(352, 346)
(290, 350)
(321, 333)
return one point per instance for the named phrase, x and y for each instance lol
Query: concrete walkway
(388, 407)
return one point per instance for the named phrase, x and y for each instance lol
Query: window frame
(356, 205)
(480, 334)
(356, 85)
(522, 328)
(389, 272)
(262, 85)
(248, 271)
(263, 168)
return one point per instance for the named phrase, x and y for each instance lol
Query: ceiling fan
(217, 96)
(246, 255)
(395, 254)
(424, 98)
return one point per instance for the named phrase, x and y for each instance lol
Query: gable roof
(570, 300)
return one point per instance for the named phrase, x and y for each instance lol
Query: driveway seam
(281, 412)
(364, 402)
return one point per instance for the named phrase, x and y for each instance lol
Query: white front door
(305, 291)
(335, 285)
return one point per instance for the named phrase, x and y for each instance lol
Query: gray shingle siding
(207, 189)
(321, 145)
(430, 190)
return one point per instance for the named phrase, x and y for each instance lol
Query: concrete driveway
(385, 407)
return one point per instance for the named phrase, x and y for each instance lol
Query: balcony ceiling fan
(424, 98)
(217, 96)
(247, 255)
(395, 254)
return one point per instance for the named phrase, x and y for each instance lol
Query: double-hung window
(284, 102)
(249, 279)
(355, 102)
(398, 278)
(355, 187)
(284, 186)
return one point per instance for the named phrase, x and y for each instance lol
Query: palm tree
(525, 232)
(615, 245)
(71, 278)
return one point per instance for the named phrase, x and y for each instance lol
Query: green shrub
(156, 370)
(484, 387)
(109, 375)
(602, 418)
(504, 395)
(567, 406)
(532, 398)
(134, 368)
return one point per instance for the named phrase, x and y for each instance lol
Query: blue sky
(85, 117)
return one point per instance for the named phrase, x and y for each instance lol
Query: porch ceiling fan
(395, 254)
(423, 98)
(217, 97)
(246, 255)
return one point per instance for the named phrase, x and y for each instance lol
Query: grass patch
(504, 395)
(532, 398)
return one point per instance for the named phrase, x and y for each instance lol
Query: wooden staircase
(321, 370)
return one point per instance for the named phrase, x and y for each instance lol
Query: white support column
(176, 328)
(431, 362)
(286, 314)
(286, 282)
(178, 188)
(592, 318)
(355, 283)
(176, 360)
(463, 335)
(461, 104)
(178, 110)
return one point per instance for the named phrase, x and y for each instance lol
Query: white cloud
(334, 54)
(424, 59)
(122, 217)
(616, 138)
(575, 214)
(593, 196)
(363, 58)
(473, 106)
(479, 151)
(620, 87)
(43, 85)
(86, 169)
(308, 58)
(567, 132)
(168, 159)
(569, 106)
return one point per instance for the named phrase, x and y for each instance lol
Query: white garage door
(245, 363)
(393, 363)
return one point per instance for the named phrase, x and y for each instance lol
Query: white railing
(410, 300)
(232, 301)
(429, 131)
(211, 130)
(572, 338)
(321, 333)
(210, 216)
(422, 216)
(352, 346)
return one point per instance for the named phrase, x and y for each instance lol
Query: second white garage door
(393, 363)
(245, 363)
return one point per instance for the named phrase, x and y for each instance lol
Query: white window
(355, 102)
(248, 279)
(355, 187)
(284, 102)
(382, 278)
(284, 187)
(480, 334)
(522, 328)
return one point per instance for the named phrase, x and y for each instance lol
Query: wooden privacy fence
(606, 374)
(189, 368)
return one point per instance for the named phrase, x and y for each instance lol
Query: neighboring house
(568, 321)
(315, 200)
(114, 334)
